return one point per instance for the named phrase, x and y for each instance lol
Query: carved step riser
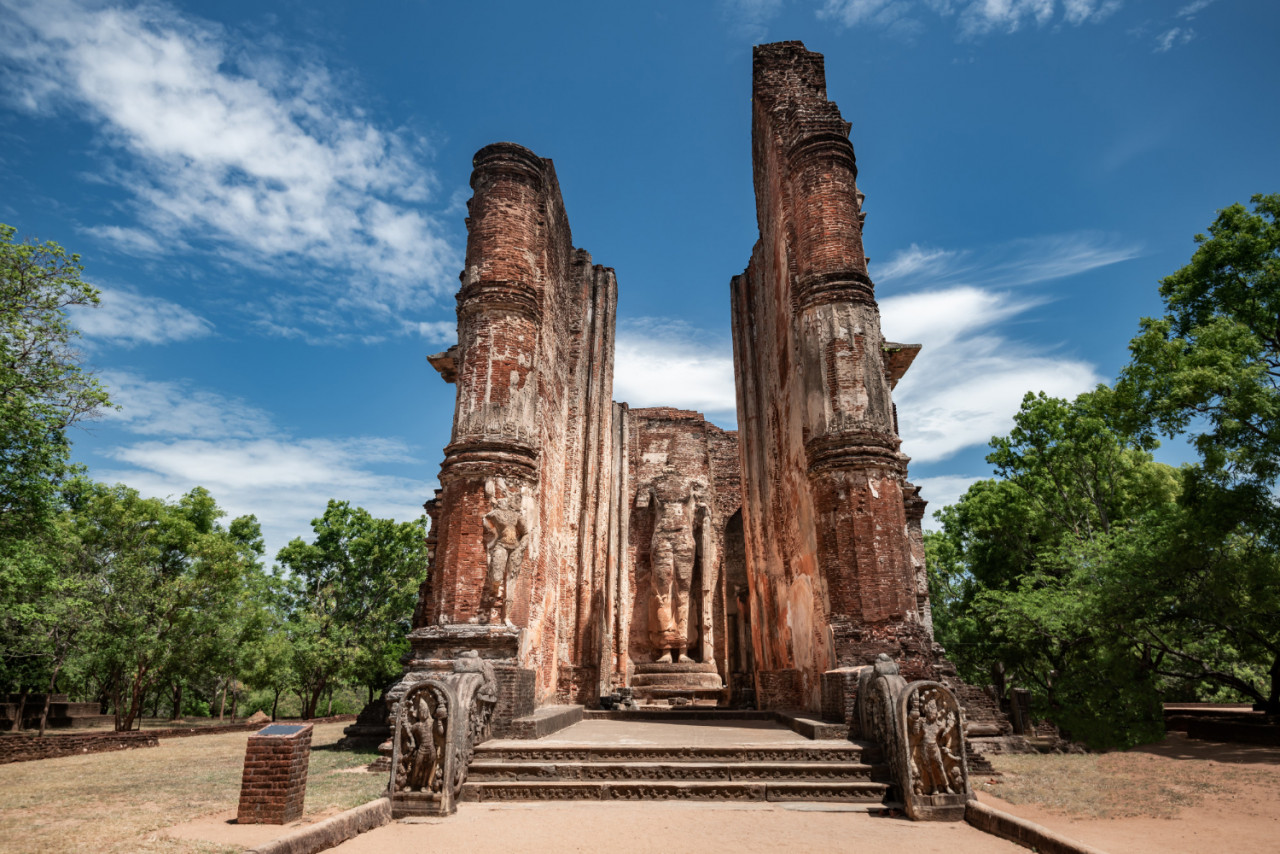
(720, 772)
(659, 754)
(833, 792)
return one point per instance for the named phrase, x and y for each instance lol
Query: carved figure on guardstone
(931, 754)
(420, 752)
(505, 530)
(679, 508)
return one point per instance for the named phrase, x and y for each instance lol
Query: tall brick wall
(828, 552)
(532, 424)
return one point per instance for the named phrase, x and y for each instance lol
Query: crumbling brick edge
(331, 832)
(1028, 834)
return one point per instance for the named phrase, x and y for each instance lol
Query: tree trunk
(275, 701)
(22, 709)
(1273, 699)
(235, 701)
(222, 704)
(53, 683)
(177, 701)
(329, 714)
(135, 702)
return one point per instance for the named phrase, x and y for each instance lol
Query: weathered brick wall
(532, 425)
(274, 783)
(827, 543)
(660, 437)
(25, 748)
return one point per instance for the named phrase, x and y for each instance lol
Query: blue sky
(271, 196)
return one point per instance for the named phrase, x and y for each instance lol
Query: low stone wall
(25, 748)
(21, 747)
(1028, 834)
(331, 832)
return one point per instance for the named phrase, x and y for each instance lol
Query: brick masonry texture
(274, 784)
(809, 552)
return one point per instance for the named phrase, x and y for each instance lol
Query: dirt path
(663, 827)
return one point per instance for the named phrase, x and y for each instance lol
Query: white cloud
(250, 153)
(178, 409)
(969, 379)
(234, 450)
(1018, 262)
(942, 491)
(440, 332)
(971, 375)
(1173, 37)
(664, 362)
(749, 19)
(126, 318)
(1193, 8)
(974, 17)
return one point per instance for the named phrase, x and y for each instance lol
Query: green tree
(44, 388)
(1018, 562)
(170, 579)
(1211, 364)
(351, 596)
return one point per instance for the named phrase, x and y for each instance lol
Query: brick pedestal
(275, 774)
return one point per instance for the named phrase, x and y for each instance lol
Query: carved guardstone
(439, 720)
(920, 727)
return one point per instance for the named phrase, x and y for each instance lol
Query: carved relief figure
(679, 510)
(935, 764)
(421, 747)
(505, 531)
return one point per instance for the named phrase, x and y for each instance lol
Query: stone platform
(697, 682)
(715, 760)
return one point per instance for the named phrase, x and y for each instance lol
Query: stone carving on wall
(681, 517)
(935, 749)
(920, 727)
(505, 532)
(440, 718)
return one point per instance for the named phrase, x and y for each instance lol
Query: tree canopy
(1110, 581)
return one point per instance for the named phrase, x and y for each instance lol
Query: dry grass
(1120, 785)
(116, 802)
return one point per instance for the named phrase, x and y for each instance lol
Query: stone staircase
(821, 771)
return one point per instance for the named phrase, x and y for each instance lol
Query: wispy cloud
(973, 17)
(749, 19)
(1173, 37)
(970, 377)
(256, 154)
(440, 332)
(126, 318)
(1018, 262)
(1195, 7)
(235, 450)
(971, 374)
(664, 362)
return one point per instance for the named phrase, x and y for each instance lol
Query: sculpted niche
(505, 532)
(681, 553)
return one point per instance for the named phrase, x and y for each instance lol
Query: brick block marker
(275, 774)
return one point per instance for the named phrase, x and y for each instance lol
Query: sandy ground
(221, 829)
(1241, 816)
(665, 827)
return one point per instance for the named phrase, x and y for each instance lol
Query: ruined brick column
(829, 556)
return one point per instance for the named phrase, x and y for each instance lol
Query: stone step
(846, 792)
(736, 772)
(509, 752)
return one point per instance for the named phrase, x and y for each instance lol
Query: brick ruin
(588, 551)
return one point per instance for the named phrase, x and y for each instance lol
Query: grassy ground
(1120, 784)
(116, 802)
